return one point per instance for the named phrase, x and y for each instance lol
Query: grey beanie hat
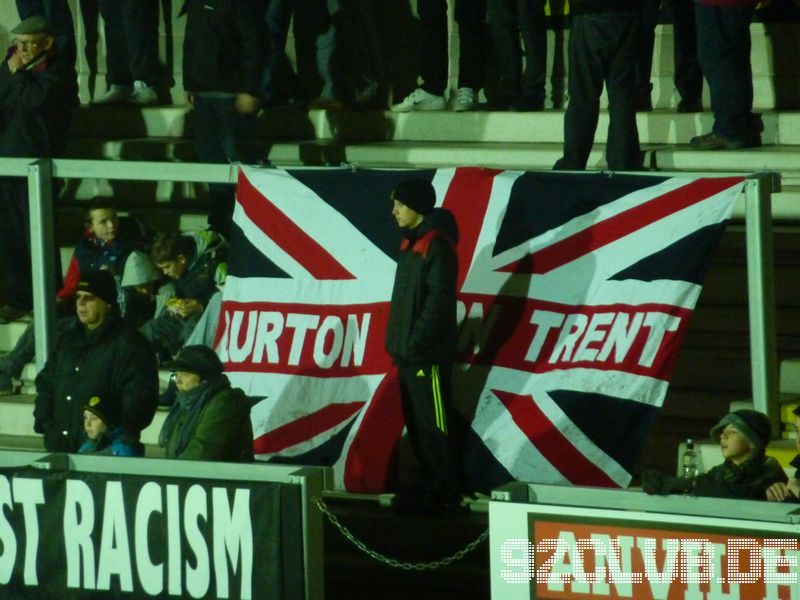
(139, 269)
(34, 24)
(752, 424)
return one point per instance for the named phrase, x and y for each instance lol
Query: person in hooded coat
(421, 336)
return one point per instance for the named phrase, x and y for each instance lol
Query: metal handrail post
(43, 260)
(761, 298)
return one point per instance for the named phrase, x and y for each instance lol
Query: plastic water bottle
(689, 459)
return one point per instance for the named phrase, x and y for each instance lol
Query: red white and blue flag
(575, 291)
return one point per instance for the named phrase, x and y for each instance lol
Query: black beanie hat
(197, 359)
(101, 284)
(752, 424)
(417, 194)
(108, 412)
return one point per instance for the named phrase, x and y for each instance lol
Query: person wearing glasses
(38, 93)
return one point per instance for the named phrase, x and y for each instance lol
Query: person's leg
(724, 53)
(503, 26)
(141, 36)
(587, 67)
(433, 53)
(622, 147)
(277, 71)
(117, 70)
(650, 11)
(533, 26)
(688, 76)
(471, 18)
(429, 390)
(15, 246)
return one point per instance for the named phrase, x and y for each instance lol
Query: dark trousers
(508, 20)
(426, 394)
(58, 14)
(723, 45)
(15, 243)
(433, 58)
(223, 136)
(602, 48)
(131, 28)
(688, 77)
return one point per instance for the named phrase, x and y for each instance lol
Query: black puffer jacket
(113, 362)
(422, 328)
(223, 50)
(36, 107)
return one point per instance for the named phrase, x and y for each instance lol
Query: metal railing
(754, 207)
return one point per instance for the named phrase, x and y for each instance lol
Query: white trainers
(116, 94)
(142, 94)
(419, 99)
(465, 100)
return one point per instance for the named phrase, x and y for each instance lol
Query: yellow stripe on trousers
(438, 406)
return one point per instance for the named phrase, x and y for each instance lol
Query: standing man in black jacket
(223, 61)
(100, 355)
(421, 339)
(38, 93)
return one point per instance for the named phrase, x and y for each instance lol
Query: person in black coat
(100, 355)
(223, 60)
(421, 339)
(38, 93)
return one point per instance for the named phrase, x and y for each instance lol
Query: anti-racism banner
(68, 534)
(575, 292)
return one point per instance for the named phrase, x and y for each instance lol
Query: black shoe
(715, 141)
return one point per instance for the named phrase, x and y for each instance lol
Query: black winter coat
(224, 46)
(422, 327)
(36, 107)
(113, 362)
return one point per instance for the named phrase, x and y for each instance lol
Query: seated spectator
(105, 245)
(196, 263)
(103, 433)
(746, 474)
(210, 420)
(99, 355)
(789, 491)
(142, 296)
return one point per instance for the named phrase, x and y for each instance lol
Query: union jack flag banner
(575, 291)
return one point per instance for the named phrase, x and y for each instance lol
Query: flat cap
(34, 24)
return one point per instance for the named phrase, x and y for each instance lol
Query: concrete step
(10, 332)
(661, 126)
(790, 376)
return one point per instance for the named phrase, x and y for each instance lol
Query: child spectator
(196, 263)
(789, 491)
(103, 433)
(210, 420)
(105, 244)
(746, 474)
(143, 298)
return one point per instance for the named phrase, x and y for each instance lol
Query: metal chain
(396, 564)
